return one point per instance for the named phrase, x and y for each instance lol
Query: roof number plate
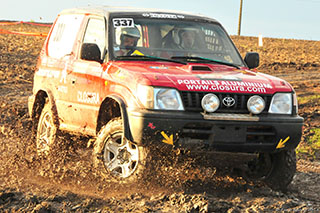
(123, 22)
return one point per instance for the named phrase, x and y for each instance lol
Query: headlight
(168, 99)
(281, 103)
(210, 102)
(159, 98)
(256, 104)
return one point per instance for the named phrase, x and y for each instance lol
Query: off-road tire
(109, 134)
(283, 170)
(46, 131)
(274, 169)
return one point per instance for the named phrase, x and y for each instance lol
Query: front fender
(124, 116)
(36, 103)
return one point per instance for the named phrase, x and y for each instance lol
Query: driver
(187, 37)
(128, 40)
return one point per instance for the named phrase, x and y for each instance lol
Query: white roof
(106, 10)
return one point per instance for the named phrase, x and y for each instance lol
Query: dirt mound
(66, 181)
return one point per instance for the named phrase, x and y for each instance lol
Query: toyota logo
(228, 101)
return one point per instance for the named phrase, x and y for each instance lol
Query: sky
(293, 19)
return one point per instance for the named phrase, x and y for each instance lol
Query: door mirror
(252, 60)
(91, 52)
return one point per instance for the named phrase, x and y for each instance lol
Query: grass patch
(311, 147)
(308, 98)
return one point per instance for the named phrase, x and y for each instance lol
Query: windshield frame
(183, 18)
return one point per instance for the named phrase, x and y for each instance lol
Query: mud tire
(111, 136)
(283, 170)
(275, 169)
(46, 134)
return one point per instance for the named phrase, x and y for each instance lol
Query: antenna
(240, 17)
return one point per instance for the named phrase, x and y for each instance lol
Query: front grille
(192, 102)
(262, 134)
(220, 133)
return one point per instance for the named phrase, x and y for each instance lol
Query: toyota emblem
(228, 101)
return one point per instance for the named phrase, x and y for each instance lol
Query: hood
(204, 77)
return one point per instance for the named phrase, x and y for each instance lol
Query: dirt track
(67, 182)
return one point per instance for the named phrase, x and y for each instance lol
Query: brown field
(68, 183)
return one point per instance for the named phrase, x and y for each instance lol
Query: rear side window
(63, 35)
(95, 33)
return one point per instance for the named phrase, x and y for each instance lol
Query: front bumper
(191, 130)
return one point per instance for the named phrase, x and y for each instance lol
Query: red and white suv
(131, 78)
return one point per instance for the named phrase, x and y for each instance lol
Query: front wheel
(116, 156)
(46, 131)
(283, 170)
(276, 170)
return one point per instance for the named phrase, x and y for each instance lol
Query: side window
(96, 34)
(63, 35)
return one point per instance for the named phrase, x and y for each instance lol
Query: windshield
(172, 39)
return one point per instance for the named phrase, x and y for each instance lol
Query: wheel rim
(45, 134)
(121, 157)
(261, 167)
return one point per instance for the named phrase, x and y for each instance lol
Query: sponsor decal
(137, 52)
(81, 67)
(151, 126)
(48, 73)
(167, 139)
(223, 85)
(163, 15)
(88, 97)
(64, 73)
(64, 76)
(63, 89)
(159, 68)
(281, 143)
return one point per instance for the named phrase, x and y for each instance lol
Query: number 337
(123, 22)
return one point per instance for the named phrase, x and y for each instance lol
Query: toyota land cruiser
(134, 77)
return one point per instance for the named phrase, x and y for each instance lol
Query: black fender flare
(124, 116)
(36, 105)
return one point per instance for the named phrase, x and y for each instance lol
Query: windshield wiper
(201, 59)
(154, 58)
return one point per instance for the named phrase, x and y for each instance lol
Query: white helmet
(130, 31)
(177, 34)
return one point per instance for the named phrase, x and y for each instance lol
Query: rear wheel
(276, 170)
(117, 157)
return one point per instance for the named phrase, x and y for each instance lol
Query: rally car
(131, 78)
